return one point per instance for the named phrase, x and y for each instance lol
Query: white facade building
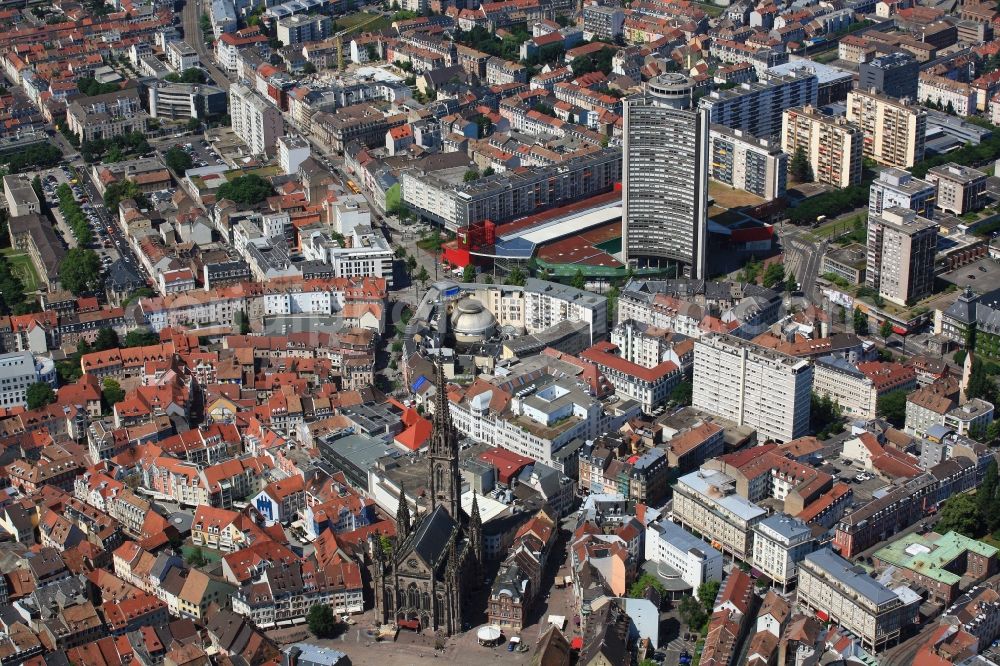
(255, 121)
(752, 385)
(678, 553)
(780, 542)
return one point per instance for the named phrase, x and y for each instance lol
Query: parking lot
(201, 152)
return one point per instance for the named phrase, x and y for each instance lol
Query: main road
(191, 19)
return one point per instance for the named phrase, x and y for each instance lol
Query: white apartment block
(894, 131)
(841, 381)
(679, 554)
(901, 250)
(830, 143)
(17, 373)
(946, 94)
(960, 189)
(745, 162)
(255, 121)
(20, 195)
(895, 188)
(780, 542)
(753, 386)
(707, 503)
(292, 152)
(540, 419)
(181, 56)
(365, 254)
(835, 590)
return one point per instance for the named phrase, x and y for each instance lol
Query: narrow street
(191, 19)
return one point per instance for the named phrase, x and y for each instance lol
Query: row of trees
(73, 215)
(116, 148)
(39, 156)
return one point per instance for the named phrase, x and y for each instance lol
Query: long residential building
(831, 144)
(445, 198)
(756, 108)
(747, 163)
(707, 503)
(753, 386)
(894, 130)
(843, 593)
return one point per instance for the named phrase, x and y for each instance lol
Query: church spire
(403, 515)
(476, 533)
(445, 482)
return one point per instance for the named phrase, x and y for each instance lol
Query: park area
(349, 21)
(21, 266)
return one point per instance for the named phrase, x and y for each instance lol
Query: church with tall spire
(436, 558)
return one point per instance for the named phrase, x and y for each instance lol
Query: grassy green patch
(710, 8)
(23, 268)
(207, 553)
(353, 20)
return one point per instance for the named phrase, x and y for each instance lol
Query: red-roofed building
(507, 463)
(650, 387)
(281, 501)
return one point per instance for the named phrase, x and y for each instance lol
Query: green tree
(959, 514)
(112, 392)
(682, 393)
(645, 581)
(992, 433)
(707, 592)
(892, 407)
(773, 274)
(751, 270)
(471, 175)
(423, 276)
(120, 191)
(516, 278)
(981, 385)
(692, 613)
(885, 329)
(488, 171)
(411, 264)
(578, 281)
(178, 160)
(39, 394)
(242, 322)
(322, 622)
(80, 271)
(988, 498)
(860, 322)
(308, 68)
(469, 273)
(196, 557)
(248, 190)
(799, 167)
(791, 284)
(140, 337)
(106, 339)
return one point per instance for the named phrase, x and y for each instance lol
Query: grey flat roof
(850, 576)
(702, 482)
(683, 540)
(785, 525)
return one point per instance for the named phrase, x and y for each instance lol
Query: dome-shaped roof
(470, 318)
